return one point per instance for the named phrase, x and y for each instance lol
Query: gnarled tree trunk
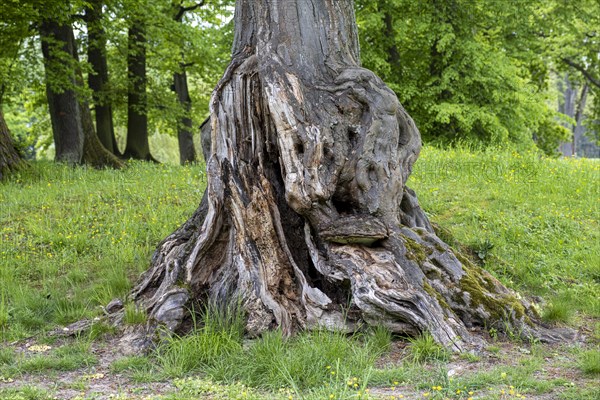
(307, 220)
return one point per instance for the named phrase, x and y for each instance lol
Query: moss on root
(434, 293)
(483, 290)
(415, 251)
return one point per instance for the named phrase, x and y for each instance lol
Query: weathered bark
(57, 46)
(137, 118)
(306, 218)
(10, 159)
(98, 78)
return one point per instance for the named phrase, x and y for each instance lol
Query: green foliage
(201, 42)
(132, 363)
(25, 393)
(559, 309)
(212, 343)
(40, 358)
(303, 362)
(477, 72)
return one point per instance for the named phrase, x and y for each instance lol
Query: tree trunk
(306, 219)
(185, 135)
(10, 159)
(94, 152)
(566, 106)
(393, 52)
(137, 119)
(98, 78)
(578, 128)
(57, 47)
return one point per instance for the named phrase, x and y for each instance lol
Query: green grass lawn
(531, 221)
(72, 239)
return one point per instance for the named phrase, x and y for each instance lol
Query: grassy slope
(72, 239)
(533, 221)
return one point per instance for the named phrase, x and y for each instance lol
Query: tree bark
(307, 220)
(393, 52)
(94, 152)
(137, 118)
(567, 107)
(57, 48)
(578, 128)
(98, 78)
(10, 159)
(185, 135)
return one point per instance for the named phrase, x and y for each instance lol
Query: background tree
(306, 207)
(58, 48)
(13, 28)
(98, 77)
(137, 101)
(185, 135)
(10, 159)
(475, 72)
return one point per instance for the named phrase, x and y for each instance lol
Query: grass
(531, 221)
(72, 239)
(589, 361)
(304, 362)
(424, 348)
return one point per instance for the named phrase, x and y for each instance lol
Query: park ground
(72, 239)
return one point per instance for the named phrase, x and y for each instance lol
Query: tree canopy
(482, 73)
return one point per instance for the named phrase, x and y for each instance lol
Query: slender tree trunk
(393, 52)
(98, 79)
(306, 219)
(10, 159)
(578, 128)
(57, 47)
(185, 135)
(567, 107)
(137, 118)
(94, 152)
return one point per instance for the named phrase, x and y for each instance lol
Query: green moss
(478, 283)
(434, 293)
(415, 251)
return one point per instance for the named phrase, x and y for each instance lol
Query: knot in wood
(359, 229)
